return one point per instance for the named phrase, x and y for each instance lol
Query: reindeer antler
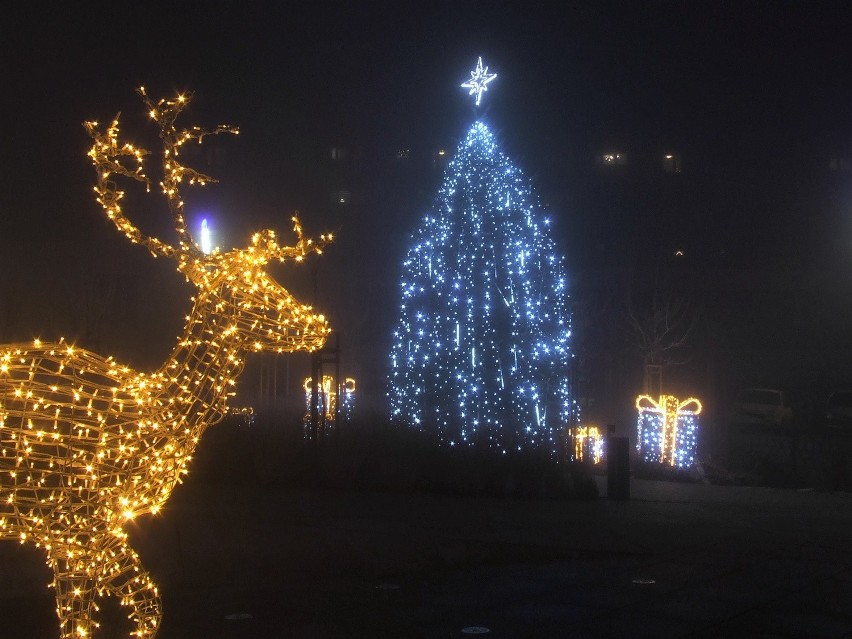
(303, 246)
(107, 154)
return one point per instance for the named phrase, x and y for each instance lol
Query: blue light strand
(481, 349)
(651, 443)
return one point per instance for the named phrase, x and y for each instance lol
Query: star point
(479, 79)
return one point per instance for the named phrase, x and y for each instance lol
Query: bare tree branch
(661, 331)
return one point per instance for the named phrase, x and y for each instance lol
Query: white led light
(504, 378)
(667, 430)
(479, 79)
(206, 241)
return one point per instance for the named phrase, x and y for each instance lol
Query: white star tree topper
(479, 80)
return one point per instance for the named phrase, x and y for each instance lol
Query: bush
(380, 456)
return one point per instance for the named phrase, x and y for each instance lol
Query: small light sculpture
(245, 415)
(87, 444)
(327, 399)
(668, 430)
(588, 444)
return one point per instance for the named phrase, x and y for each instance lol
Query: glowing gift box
(588, 444)
(327, 399)
(668, 430)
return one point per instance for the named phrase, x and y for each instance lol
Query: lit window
(342, 196)
(440, 158)
(612, 158)
(671, 163)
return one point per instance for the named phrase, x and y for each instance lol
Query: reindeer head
(248, 306)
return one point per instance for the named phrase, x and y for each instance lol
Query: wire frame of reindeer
(87, 444)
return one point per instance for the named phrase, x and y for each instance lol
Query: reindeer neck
(187, 394)
(201, 371)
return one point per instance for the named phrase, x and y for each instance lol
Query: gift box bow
(668, 404)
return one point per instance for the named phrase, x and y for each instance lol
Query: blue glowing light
(481, 348)
(206, 238)
(667, 430)
(479, 79)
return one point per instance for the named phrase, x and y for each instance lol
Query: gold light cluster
(588, 443)
(87, 444)
(327, 400)
(668, 429)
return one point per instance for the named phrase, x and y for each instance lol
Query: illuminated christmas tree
(482, 345)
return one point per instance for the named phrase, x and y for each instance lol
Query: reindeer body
(87, 444)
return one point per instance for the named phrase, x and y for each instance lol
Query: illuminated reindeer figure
(87, 444)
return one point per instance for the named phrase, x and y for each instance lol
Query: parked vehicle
(762, 406)
(838, 409)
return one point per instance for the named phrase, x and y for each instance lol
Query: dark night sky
(755, 95)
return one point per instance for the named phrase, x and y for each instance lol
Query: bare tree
(660, 330)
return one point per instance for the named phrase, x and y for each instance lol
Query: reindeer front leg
(75, 595)
(126, 579)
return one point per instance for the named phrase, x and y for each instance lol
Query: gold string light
(328, 398)
(86, 443)
(588, 444)
(668, 430)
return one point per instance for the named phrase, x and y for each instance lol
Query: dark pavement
(676, 560)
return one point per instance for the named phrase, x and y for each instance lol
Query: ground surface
(676, 560)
